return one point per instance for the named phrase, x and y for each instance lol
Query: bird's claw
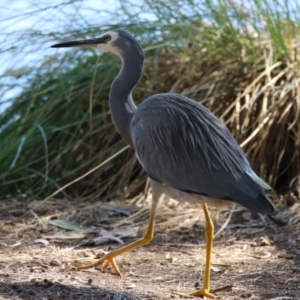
(106, 261)
(199, 293)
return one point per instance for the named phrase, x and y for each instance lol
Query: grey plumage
(178, 142)
(182, 144)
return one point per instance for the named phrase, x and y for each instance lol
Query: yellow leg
(209, 232)
(109, 258)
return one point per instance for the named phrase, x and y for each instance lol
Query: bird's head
(118, 42)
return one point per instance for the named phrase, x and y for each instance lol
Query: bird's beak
(81, 43)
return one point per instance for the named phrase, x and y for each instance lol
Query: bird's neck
(121, 104)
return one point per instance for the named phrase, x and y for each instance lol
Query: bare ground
(252, 258)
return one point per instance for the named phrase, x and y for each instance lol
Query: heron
(188, 154)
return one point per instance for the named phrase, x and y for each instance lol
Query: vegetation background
(241, 60)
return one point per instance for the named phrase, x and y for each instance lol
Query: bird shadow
(49, 290)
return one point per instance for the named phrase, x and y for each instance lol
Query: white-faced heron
(186, 151)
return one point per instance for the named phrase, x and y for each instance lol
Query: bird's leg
(209, 232)
(109, 258)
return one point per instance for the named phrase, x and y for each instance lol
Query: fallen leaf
(71, 226)
(264, 241)
(125, 231)
(15, 245)
(224, 288)
(190, 265)
(262, 255)
(239, 225)
(3, 244)
(41, 241)
(114, 235)
(64, 236)
(126, 213)
(105, 236)
(215, 269)
(291, 256)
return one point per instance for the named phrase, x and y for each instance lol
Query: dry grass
(252, 259)
(258, 102)
(242, 65)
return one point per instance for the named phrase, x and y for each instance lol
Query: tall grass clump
(241, 61)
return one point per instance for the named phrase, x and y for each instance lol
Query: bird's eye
(107, 38)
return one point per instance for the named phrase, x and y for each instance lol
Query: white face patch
(108, 46)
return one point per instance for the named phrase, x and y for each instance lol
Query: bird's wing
(181, 143)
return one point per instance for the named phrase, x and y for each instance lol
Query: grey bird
(187, 152)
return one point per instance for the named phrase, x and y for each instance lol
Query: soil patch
(253, 258)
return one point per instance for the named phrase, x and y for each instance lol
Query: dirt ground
(253, 258)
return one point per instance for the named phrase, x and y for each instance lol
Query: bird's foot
(106, 261)
(200, 293)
